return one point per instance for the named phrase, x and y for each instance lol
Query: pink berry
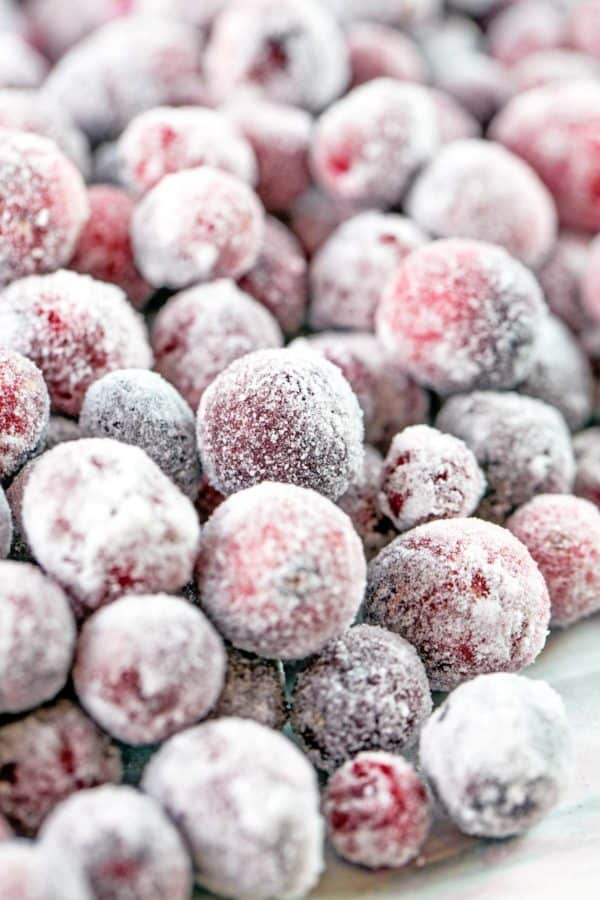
(377, 810)
(585, 27)
(315, 215)
(24, 411)
(350, 271)
(367, 690)
(277, 47)
(522, 445)
(20, 65)
(586, 445)
(43, 205)
(475, 189)
(479, 83)
(253, 689)
(360, 503)
(280, 571)
(562, 533)
(461, 314)
(561, 276)
(31, 872)
(263, 838)
(278, 279)
(548, 66)
(75, 329)
(466, 593)
(497, 754)
(367, 146)
(377, 51)
(123, 842)
(38, 637)
(454, 122)
(196, 226)
(104, 246)
(199, 332)
(145, 531)
(57, 25)
(280, 415)
(524, 28)
(428, 475)
(47, 756)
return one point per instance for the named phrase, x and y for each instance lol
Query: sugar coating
(280, 136)
(589, 274)
(75, 329)
(37, 637)
(281, 570)
(377, 51)
(367, 690)
(562, 533)
(278, 278)
(376, 810)
(43, 205)
(476, 189)
(253, 689)
(123, 68)
(555, 129)
(360, 503)
(368, 145)
(522, 445)
(586, 446)
(449, 37)
(164, 670)
(460, 314)
(197, 225)
(102, 519)
(21, 66)
(466, 593)
(428, 475)
(199, 332)
(315, 215)
(164, 140)
(401, 13)
(24, 411)
(455, 123)
(47, 756)
(280, 415)
(350, 271)
(104, 247)
(561, 375)
(264, 835)
(561, 278)
(497, 754)
(518, 31)
(276, 47)
(547, 66)
(6, 526)
(481, 84)
(584, 31)
(141, 408)
(31, 872)
(122, 841)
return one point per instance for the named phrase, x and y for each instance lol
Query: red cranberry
(24, 411)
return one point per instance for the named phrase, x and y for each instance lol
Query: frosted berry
(497, 754)
(586, 446)
(549, 66)
(315, 216)
(481, 84)
(6, 526)
(57, 25)
(525, 28)
(561, 278)
(466, 593)
(253, 689)
(584, 27)
(377, 51)
(399, 13)
(590, 290)
(20, 65)
(360, 503)
(31, 872)
(24, 411)
(455, 123)
(367, 690)
(281, 570)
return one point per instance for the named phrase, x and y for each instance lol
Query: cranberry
(30, 871)
(586, 445)
(253, 689)
(377, 51)
(524, 28)
(548, 66)
(561, 277)
(24, 411)
(360, 503)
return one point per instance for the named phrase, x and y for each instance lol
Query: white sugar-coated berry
(20, 65)
(586, 446)
(32, 872)
(148, 666)
(280, 415)
(263, 838)
(199, 332)
(141, 408)
(521, 29)
(254, 689)
(360, 502)
(400, 13)
(367, 690)
(429, 475)
(561, 279)
(466, 593)
(123, 843)
(103, 520)
(24, 411)
(497, 754)
(455, 123)
(547, 66)
(281, 570)
(377, 51)
(38, 637)
(6, 526)
(480, 84)
(197, 225)
(477, 189)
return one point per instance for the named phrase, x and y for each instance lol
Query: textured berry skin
(461, 314)
(122, 841)
(376, 810)
(253, 689)
(466, 593)
(47, 756)
(24, 411)
(34, 873)
(280, 415)
(497, 754)
(264, 836)
(280, 571)
(367, 690)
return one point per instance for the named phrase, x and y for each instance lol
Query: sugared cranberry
(561, 277)
(454, 122)
(480, 84)
(24, 411)
(377, 810)
(399, 13)
(497, 754)
(315, 215)
(589, 283)
(524, 28)
(586, 446)
(280, 415)
(361, 503)
(31, 872)
(549, 66)
(6, 526)
(466, 593)
(377, 51)
(253, 689)
(460, 314)
(20, 65)
(57, 25)
(281, 570)
(259, 785)
(367, 690)
(584, 27)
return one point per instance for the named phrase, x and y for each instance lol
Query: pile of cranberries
(299, 422)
